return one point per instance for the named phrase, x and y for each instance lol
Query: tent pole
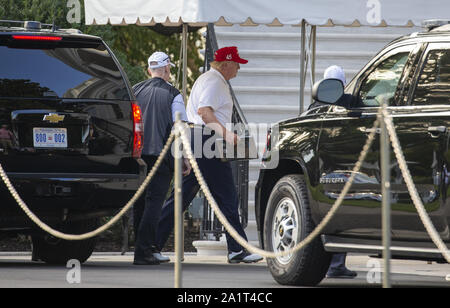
(184, 44)
(313, 56)
(302, 66)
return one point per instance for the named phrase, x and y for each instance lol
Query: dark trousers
(218, 175)
(338, 261)
(148, 208)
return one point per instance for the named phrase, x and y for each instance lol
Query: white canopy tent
(286, 12)
(304, 13)
(268, 12)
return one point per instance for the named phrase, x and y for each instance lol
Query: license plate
(50, 137)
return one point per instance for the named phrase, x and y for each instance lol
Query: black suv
(318, 150)
(70, 135)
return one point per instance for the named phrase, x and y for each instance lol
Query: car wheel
(52, 250)
(287, 222)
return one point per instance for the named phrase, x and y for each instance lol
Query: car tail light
(268, 142)
(37, 38)
(138, 130)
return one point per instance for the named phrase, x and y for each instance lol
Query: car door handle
(369, 130)
(436, 131)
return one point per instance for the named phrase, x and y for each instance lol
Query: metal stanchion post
(178, 182)
(386, 202)
(185, 35)
(313, 45)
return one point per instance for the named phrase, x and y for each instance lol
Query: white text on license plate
(49, 137)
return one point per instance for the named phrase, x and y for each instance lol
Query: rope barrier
(106, 226)
(412, 188)
(179, 131)
(312, 235)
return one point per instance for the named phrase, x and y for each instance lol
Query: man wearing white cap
(159, 102)
(335, 72)
(337, 267)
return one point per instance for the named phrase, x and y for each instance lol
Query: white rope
(269, 254)
(311, 236)
(109, 224)
(180, 130)
(412, 188)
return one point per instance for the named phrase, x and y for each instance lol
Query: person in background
(337, 267)
(335, 72)
(159, 101)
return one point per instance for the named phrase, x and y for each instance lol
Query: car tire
(56, 251)
(287, 222)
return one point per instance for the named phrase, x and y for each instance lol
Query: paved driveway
(112, 270)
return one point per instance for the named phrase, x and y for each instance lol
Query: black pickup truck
(317, 151)
(70, 135)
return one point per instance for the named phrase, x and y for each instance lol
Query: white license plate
(50, 137)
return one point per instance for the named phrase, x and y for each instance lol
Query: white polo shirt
(210, 90)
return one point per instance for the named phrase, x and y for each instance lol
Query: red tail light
(268, 142)
(138, 130)
(37, 38)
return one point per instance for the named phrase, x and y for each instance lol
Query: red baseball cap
(229, 54)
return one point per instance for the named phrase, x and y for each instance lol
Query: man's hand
(187, 168)
(209, 118)
(231, 138)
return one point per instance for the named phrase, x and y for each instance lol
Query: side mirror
(328, 91)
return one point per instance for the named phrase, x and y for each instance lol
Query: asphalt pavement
(112, 270)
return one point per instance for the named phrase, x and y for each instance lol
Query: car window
(383, 80)
(433, 85)
(62, 72)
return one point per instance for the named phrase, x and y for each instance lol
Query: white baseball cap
(335, 72)
(160, 58)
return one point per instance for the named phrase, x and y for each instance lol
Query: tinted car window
(383, 80)
(433, 86)
(80, 73)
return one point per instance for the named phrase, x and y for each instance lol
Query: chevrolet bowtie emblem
(53, 118)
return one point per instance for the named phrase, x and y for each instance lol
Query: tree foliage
(139, 42)
(131, 44)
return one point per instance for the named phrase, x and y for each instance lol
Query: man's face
(168, 72)
(231, 70)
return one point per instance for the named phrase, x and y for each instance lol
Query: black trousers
(338, 261)
(219, 177)
(147, 209)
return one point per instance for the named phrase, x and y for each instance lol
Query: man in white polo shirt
(211, 104)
